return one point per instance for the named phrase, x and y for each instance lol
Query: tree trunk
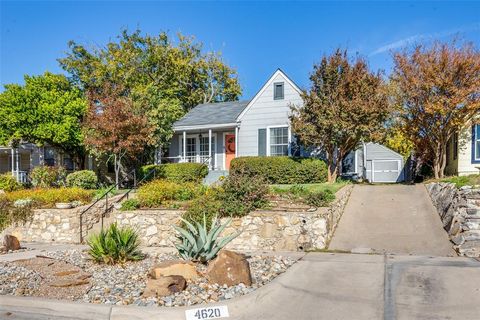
(440, 160)
(332, 167)
(117, 170)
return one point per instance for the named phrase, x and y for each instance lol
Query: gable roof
(212, 114)
(266, 85)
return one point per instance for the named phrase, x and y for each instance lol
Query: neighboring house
(20, 161)
(216, 133)
(376, 163)
(463, 152)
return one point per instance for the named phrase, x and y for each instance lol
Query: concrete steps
(214, 176)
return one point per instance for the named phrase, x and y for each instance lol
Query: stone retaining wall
(59, 225)
(459, 210)
(261, 230)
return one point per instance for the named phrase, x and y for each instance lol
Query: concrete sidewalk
(319, 286)
(396, 218)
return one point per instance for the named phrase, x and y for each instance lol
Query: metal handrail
(105, 195)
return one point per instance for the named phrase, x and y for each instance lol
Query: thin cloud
(426, 36)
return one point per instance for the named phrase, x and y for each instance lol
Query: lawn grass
(461, 181)
(311, 187)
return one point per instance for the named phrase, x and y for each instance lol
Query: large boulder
(164, 286)
(11, 243)
(229, 268)
(175, 268)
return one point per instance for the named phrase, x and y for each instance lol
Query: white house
(215, 133)
(463, 151)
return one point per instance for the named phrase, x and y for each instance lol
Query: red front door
(229, 149)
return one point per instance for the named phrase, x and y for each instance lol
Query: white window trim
(197, 144)
(477, 138)
(268, 138)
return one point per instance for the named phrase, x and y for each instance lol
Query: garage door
(386, 170)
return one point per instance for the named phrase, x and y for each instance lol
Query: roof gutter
(205, 126)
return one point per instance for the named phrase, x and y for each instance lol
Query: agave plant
(200, 243)
(115, 245)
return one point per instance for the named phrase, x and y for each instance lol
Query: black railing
(109, 206)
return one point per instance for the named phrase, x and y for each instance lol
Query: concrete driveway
(319, 286)
(398, 219)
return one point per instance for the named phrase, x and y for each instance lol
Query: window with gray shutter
(262, 142)
(278, 91)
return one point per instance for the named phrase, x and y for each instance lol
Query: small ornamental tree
(345, 104)
(113, 128)
(438, 92)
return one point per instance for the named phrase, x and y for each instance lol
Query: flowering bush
(46, 177)
(159, 192)
(46, 198)
(9, 183)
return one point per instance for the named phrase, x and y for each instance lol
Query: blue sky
(254, 37)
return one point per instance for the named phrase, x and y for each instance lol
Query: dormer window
(278, 91)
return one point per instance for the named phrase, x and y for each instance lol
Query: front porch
(214, 146)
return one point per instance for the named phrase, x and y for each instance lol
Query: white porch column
(17, 160)
(236, 142)
(13, 162)
(210, 148)
(184, 146)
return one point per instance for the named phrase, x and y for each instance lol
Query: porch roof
(221, 114)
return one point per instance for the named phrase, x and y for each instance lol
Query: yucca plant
(115, 245)
(198, 242)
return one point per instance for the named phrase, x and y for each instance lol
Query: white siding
(265, 112)
(465, 165)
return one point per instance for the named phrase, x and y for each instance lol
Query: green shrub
(240, 194)
(115, 245)
(156, 193)
(201, 242)
(176, 172)
(281, 170)
(85, 179)
(9, 183)
(47, 198)
(130, 204)
(207, 205)
(12, 215)
(46, 177)
(319, 198)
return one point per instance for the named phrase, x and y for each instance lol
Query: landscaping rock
(175, 268)
(11, 243)
(164, 286)
(229, 268)
(68, 283)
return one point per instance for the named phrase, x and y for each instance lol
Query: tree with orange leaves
(438, 93)
(113, 127)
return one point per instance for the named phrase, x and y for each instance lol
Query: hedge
(281, 170)
(85, 179)
(176, 172)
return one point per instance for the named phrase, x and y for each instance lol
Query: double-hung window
(278, 91)
(279, 141)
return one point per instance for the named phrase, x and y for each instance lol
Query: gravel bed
(123, 285)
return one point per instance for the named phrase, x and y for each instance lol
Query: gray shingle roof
(212, 113)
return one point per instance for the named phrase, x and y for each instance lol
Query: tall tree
(438, 94)
(112, 126)
(164, 78)
(48, 109)
(345, 104)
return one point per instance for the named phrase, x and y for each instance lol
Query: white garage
(375, 163)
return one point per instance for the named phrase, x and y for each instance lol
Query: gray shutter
(262, 142)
